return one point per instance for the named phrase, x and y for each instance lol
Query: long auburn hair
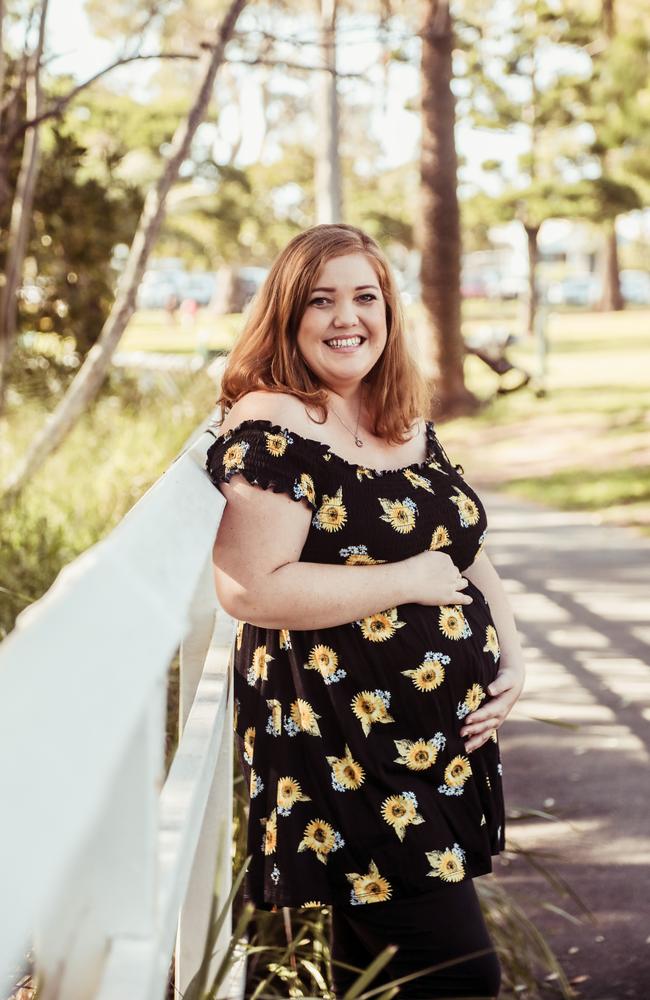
(266, 354)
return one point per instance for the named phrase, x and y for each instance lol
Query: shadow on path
(581, 596)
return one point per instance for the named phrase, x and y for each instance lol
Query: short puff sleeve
(268, 456)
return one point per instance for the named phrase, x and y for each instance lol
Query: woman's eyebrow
(357, 289)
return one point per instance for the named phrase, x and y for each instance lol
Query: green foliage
(126, 440)
(76, 224)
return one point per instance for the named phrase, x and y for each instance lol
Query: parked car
(198, 286)
(577, 290)
(635, 286)
(157, 288)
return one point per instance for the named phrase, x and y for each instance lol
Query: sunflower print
(357, 555)
(256, 784)
(369, 888)
(433, 464)
(270, 838)
(467, 509)
(379, 627)
(288, 793)
(321, 685)
(274, 721)
(249, 743)
(332, 514)
(321, 837)
(448, 865)
(431, 672)
(302, 719)
(400, 811)
(473, 698)
(258, 669)
(347, 774)
(326, 662)
(276, 444)
(439, 539)
(400, 514)
(491, 642)
(452, 622)
(304, 487)
(370, 707)
(457, 772)
(233, 460)
(416, 480)
(481, 542)
(418, 755)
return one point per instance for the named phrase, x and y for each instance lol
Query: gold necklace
(355, 435)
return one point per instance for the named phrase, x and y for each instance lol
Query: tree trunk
(328, 168)
(612, 299)
(439, 232)
(21, 212)
(532, 233)
(87, 383)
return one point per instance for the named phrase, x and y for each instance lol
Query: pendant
(358, 442)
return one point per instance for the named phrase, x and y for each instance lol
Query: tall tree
(91, 375)
(329, 207)
(21, 209)
(514, 90)
(439, 223)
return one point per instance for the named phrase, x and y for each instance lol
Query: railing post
(206, 640)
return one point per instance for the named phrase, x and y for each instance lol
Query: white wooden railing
(103, 868)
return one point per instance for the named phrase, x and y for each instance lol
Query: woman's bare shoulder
(279, 407)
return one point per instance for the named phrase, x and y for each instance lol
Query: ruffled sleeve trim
(268, 456)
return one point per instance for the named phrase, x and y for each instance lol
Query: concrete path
(581, 596)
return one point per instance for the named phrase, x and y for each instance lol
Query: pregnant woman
(376, 653)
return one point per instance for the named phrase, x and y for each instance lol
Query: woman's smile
(345, 317)
(346, 344)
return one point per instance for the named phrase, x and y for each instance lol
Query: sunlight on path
(581, 598)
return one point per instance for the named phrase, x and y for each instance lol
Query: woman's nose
(346, 314)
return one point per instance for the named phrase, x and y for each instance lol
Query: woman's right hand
(432, 578)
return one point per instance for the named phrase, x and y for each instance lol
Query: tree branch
(62, 102)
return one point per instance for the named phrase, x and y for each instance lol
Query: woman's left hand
(506, 688)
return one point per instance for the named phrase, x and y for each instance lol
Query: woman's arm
(259, 578)
(509, 682)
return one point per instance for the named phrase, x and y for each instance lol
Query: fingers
(477, 741)
(479, 727)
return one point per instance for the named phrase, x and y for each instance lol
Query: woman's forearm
(483, 574)
(303, 595)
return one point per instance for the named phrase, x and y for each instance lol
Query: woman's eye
(366, 296)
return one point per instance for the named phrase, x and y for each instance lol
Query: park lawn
(585, 445)
(153, 330)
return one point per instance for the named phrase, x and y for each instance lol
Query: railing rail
(102, 866)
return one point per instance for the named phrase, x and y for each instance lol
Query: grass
(585, 444)
(117, 450)
(594, 414)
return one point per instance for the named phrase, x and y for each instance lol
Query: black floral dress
(360, 786)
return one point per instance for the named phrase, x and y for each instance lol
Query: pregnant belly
(438, 660)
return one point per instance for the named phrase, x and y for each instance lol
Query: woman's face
(343, 329)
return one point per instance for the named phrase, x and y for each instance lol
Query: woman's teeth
(344, 342)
